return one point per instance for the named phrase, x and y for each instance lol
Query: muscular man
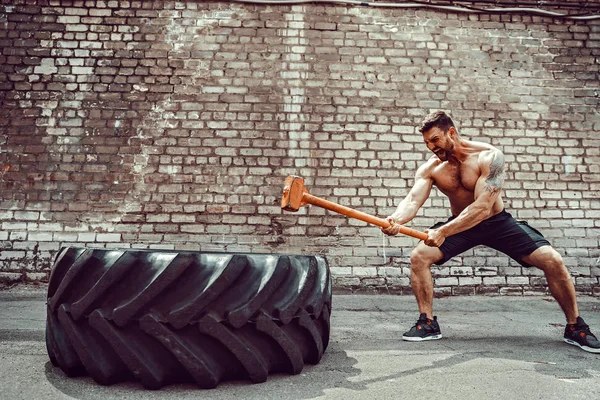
(472, 174)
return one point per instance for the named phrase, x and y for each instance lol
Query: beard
(445, 154)
(442, 155)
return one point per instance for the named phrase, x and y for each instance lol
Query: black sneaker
(579, 334)
(424, 329)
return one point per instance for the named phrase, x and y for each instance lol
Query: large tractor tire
(162, 317)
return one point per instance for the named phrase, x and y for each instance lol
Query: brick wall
(174, 124)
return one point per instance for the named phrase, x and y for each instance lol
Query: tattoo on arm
(496, 178)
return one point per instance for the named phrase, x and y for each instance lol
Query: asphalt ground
(493, 348)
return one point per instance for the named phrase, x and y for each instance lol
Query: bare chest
(451, 178)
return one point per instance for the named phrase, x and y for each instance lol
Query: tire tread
(161, 317)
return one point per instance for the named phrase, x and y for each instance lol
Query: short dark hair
(437, 119)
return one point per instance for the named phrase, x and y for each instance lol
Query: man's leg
(559, 280)
(421, 281)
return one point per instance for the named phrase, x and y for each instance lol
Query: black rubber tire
(49, 349)
(162, 317)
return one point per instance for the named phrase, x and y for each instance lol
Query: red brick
(115, 115)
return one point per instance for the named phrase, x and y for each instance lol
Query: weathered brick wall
(174, 124)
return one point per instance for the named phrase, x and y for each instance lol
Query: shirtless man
(471, 174)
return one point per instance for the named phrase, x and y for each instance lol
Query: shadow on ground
(335, 364)
(339, 370)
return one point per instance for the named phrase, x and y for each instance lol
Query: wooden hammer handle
(349, 212)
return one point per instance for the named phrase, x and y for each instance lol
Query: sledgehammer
(295, 195)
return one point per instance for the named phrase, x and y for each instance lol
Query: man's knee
(423, 257)
(549, 260)
(556, 266)
(555, 260)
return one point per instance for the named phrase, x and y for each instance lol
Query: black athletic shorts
(502, 232)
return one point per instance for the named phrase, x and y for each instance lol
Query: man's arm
(409, 206)
(487, 190)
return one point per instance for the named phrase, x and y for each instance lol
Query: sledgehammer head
(293, 193)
